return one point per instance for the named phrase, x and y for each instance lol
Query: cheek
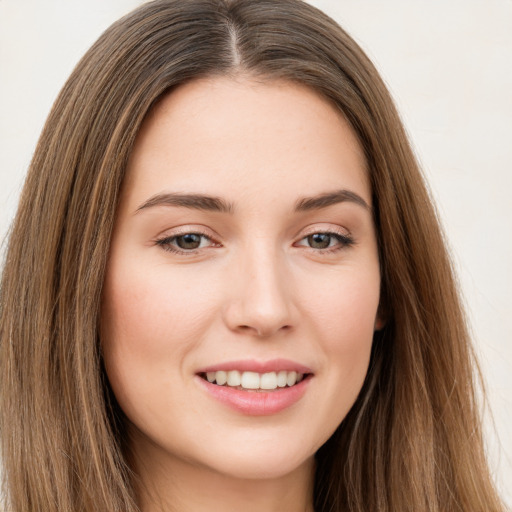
(344, 309)
(344, 316)
(353, 311)
(152, 311)
(148, 320)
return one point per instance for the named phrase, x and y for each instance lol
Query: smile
(255, 381)
(256, 388)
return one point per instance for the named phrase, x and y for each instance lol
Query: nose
(260, 299)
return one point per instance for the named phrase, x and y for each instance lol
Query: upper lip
(251, 365)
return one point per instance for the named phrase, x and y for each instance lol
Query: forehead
(212, 134)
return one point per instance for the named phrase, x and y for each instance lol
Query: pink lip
(250, 365)
(256, 403)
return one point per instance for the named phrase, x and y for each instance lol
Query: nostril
(263, 331)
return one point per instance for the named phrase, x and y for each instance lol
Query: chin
(259, 459)
(261, 467)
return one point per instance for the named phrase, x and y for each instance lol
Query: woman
(226, 276)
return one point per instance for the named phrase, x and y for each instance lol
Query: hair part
(413, 439)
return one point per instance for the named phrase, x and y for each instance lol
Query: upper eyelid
(209, 233)
(186, 229)
(323, 227)
(169, 238)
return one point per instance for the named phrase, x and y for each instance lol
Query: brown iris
(189, 241)
(319, 240)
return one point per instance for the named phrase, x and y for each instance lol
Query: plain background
(449, 67)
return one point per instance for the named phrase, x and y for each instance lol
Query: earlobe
(380, 319)
(379, 323)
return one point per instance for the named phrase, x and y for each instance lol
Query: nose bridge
(261, 301)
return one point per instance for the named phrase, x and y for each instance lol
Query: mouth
(256, 388)
(254, 381)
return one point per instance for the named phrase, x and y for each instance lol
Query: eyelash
(344, 242)
(166, 243)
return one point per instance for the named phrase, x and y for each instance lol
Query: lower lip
(257, 403)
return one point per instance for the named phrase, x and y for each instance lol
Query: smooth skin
(264, 267)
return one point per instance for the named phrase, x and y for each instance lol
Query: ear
(380, 319)
(379, 323)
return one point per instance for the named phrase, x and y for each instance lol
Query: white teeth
(291, 379)
(282, 378)
(250, 380)
(234, 378)
(254, 380)
(221, 378)
(269, 381)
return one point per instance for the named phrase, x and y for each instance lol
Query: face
(244, 250)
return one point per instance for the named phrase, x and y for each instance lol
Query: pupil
(319, 240)
(189, 241)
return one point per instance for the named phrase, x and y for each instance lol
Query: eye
(326, 240)
(186, 242)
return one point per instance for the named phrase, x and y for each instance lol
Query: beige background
(449, 67)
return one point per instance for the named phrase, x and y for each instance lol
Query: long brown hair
(411, 442)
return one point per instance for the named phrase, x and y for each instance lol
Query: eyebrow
(216, 204)
(193, 201)
(330, 198)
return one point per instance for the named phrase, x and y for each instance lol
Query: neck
(175, 485)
